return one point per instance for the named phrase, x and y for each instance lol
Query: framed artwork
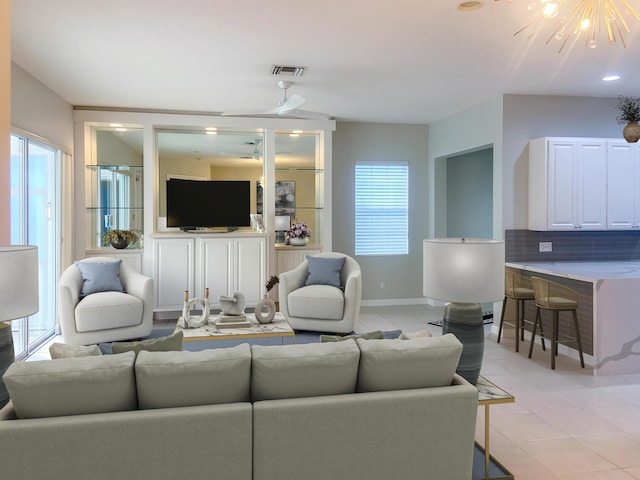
(285, 198)
(259, 197)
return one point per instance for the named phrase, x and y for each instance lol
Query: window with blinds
(382, 208)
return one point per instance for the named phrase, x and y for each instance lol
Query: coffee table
(278, 327)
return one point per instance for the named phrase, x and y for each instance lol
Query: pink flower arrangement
(300, 230)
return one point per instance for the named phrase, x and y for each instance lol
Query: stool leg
(554, 343)
(575, 323)
(522, 304)
(504, 306)
(535, 328)
(517, 323)
(544, 349)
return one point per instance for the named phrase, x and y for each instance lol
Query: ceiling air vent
(287, 70)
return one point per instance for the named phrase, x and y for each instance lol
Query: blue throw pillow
(100, 277)
(324, 271)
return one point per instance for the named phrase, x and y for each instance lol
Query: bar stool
(557, 298)
(517, 287)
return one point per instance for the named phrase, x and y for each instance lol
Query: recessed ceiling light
(467, 6)
(211, 128)
(121, 129)
(115, 124)
(611, 78)
(211, 132)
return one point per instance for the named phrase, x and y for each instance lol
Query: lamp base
(6, 358)
(465, 321)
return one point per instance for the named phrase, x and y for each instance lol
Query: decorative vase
(299, 241)
(265, 310)
(631, 132)
(119, 243)
(465, 321)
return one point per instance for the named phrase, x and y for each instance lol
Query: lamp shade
(463, 270)
(18, 281)
(283, 222)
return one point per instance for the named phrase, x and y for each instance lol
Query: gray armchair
(106, 316)
(319, 307)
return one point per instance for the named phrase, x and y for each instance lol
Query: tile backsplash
(523, 246)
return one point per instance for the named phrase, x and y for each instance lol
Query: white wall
(364, 141)
(5, 120)
(476, 128)
(39, 111)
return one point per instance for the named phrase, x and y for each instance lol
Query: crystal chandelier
(576, 18)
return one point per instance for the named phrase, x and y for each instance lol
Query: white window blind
(382, 208)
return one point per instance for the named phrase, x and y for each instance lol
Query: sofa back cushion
(72, 386)
(405, 364)
(181, 379)
(309, 370)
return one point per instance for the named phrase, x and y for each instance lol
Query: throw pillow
(62, 350)
(324, 271)
(100, 277)
(162, 344)
(377, 335)
(420, 334)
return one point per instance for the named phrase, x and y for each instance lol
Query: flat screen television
(195, 204)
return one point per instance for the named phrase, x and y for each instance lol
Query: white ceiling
(405, 61)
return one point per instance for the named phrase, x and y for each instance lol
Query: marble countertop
(586, 271)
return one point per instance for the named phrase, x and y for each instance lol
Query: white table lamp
(18, 298)
(283, 222)
(464, 272)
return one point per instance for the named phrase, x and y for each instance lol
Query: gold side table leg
(487, 455)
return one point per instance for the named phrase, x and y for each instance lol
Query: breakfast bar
(612, 297)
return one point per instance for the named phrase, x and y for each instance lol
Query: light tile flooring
(564, 424)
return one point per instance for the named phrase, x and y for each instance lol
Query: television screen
(208, 203)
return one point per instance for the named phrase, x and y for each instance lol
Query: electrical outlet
(545, 246)
(382, 284)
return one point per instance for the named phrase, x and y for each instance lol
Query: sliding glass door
(34, 221)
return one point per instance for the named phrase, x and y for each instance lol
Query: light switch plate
(545, 246)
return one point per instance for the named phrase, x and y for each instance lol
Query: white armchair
(320, 307)
(106, 316)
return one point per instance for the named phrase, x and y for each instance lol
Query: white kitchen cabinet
(567, 184)
(224, 264)
(133, 258)
(623, 185)
(228, 265)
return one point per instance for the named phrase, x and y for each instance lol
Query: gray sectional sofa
(363, 409)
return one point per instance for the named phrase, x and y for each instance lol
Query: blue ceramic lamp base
(465, 321)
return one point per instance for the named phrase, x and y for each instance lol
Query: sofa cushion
(170, 343)
(181, 379)
(293, 371)
(324, 271)
(375, 335)
(72, 386)
(62, 350)
(415, 363)
(104, 310)
(100, 277)
(321, 302)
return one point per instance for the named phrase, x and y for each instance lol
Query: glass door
(34, 221)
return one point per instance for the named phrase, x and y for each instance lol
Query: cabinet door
(622, 177)
(174, 271)
(592, 185)
(250, 268)
(562, 186)
(216, 268)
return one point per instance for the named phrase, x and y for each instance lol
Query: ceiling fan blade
(307, 114)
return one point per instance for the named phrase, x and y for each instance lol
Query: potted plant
(629, 108)
(298, 234)
(120, 238)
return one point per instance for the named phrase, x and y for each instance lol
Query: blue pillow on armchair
(324, 271)
(100, 277)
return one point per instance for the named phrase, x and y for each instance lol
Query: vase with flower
(298, 234)
(266, 308)
(629, 108)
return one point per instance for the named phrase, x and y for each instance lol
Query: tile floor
(565, 424)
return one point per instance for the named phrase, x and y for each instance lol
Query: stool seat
(556, 298)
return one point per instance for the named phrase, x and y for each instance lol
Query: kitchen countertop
(586, 271)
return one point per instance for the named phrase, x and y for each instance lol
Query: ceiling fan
(256, 154)
(287, 107)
